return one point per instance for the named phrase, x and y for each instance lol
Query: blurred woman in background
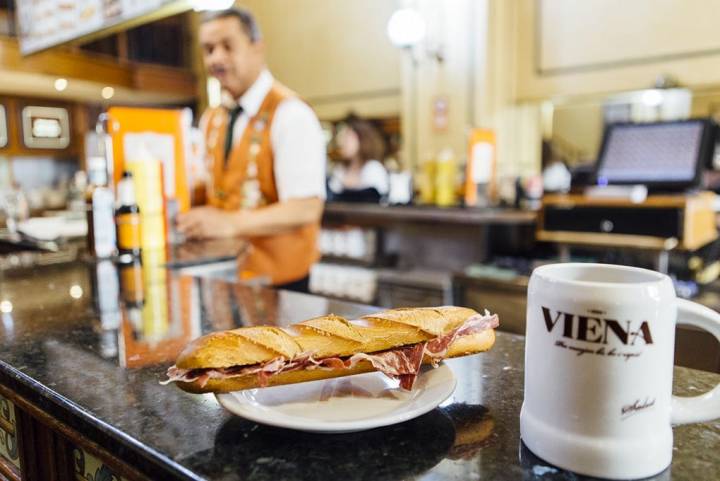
(360, 175)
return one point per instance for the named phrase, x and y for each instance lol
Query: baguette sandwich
(395, 342)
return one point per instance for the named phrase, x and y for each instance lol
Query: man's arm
(280, 217)
(211, 222)
(299, 168)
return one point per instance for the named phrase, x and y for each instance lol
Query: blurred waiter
(267, 157)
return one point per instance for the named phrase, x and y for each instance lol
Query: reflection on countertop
(377, 214)
(90, 352)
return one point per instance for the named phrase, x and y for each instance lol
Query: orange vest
(248, 182)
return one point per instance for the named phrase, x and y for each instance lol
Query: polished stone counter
(90, 353)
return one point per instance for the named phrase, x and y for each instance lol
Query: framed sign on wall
(45, 127)
(3, 127)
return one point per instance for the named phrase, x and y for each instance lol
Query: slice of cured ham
(437, 348)
(402, 364)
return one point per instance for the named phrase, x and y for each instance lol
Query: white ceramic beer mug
(599, 365)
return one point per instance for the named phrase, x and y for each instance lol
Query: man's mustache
(217, 70)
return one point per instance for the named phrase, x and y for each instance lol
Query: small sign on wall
(480, 169)
(441, 116)
(3, 127)
(46, 127)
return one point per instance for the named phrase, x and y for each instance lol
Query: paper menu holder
(153, 144)
(480, 170)
(155, 330)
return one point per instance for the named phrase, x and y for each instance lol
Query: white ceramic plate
(346, 404)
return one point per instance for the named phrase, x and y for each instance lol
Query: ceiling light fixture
(61, 84)
(76, 291)
(107, 93)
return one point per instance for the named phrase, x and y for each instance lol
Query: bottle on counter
(106, 298)
(446, 171)
(131, 281)
(426, 181)
(127, 217)
(100, 209)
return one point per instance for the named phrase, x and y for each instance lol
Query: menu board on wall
(47, 23)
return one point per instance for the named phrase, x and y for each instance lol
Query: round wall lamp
(406, 28)
(209, 5)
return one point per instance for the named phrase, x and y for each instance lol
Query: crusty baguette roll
(230, 360)
(238, 347)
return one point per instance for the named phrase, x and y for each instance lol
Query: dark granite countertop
(183, 255)
(91, 352)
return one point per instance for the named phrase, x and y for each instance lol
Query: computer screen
(657, 153)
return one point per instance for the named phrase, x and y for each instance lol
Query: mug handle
(704, 407)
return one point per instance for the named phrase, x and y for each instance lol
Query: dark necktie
(234, 114)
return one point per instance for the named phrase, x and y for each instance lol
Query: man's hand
(208, 222)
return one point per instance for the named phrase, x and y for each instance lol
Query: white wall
(334, 53)
(479, 79)
(570, 47)
(579, 127)
(517, 124)
(427, 80)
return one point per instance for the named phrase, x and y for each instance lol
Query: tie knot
(236, 111)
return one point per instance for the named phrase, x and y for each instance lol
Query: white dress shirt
(297, 141)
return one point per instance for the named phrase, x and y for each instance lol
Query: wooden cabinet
(35, 446)
(87, 467)
(9, 452)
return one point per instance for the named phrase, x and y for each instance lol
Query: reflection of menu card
(152, 135)
(156, 330)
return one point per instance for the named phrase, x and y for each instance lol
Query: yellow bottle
(446, 179)
(426, 182)
(148, 177)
